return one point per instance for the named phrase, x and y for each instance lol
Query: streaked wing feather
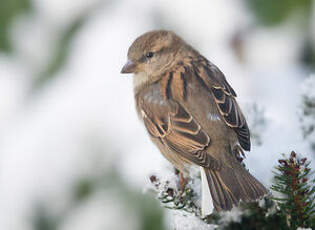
(182, 134)
(224, 96)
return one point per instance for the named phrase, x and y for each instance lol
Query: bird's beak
(129, 67)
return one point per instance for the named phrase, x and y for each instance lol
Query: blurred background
(73, 154)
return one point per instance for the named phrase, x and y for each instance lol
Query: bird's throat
(143, 80)
(140, 80)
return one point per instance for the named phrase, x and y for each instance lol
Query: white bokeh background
(46, 140)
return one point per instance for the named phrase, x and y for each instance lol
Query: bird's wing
(214, 81)
(178, 130)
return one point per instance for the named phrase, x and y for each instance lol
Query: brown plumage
(191, 114)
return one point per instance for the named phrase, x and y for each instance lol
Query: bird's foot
(182, 183)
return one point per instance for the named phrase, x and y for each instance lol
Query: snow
(180, 221)
(213, 117)
(308, 87)
(233, 215)
(307, 113)
(90, 214)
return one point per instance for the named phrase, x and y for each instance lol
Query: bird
(191, 114)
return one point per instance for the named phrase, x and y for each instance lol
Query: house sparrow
(191, 114)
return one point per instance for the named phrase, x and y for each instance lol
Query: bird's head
(152, 53)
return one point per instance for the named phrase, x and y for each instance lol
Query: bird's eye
(149, 54)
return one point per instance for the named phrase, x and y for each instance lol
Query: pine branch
(293, 208)
(291, 180)
(172, 198)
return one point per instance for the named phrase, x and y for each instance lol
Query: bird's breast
(151, 100)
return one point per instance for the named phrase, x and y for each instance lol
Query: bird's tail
(227, 187)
